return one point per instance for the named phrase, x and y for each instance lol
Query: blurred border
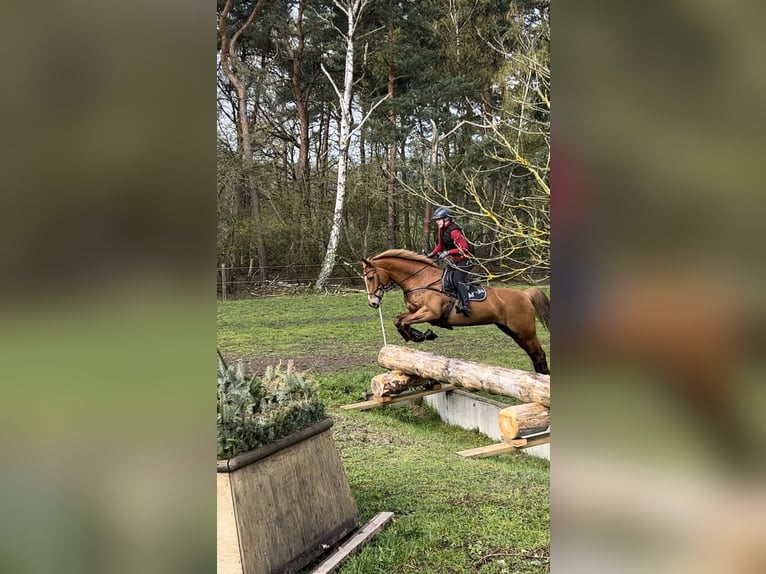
(658, 276)
(108, 329)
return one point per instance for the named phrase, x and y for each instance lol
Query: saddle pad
(475, 292)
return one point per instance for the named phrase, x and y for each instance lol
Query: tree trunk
(391, 222)
(522, 385)
(352, 9)
(302, 172)
(433, 176)
(324, 152)
(229, 55)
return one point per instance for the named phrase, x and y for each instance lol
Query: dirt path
(315, 363)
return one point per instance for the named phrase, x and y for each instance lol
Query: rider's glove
(443, 254)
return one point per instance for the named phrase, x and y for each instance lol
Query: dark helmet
(441, 212)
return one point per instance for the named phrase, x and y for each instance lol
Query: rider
(452, 243)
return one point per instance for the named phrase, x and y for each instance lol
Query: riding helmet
(441, 212)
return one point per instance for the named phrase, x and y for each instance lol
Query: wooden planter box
(280, 506)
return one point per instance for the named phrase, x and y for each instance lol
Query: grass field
(452, 515)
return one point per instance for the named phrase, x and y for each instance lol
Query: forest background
(342, 123)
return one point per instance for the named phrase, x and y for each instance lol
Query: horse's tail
(542, 305)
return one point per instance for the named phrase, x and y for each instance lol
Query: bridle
(381, 289)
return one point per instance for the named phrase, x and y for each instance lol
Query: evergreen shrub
(254, 412)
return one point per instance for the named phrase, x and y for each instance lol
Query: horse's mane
(405, 254)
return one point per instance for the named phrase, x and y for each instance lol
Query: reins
(426, 288)
(415, 273)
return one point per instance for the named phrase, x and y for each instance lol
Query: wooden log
(513, 420)
(394, 382)
(527, 387)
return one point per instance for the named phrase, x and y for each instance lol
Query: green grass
(328, 332)
(452, 515)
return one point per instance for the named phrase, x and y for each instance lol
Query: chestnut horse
(512, 310)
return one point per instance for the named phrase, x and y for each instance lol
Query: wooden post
(524, 386)
(513, 420)
(223, 282)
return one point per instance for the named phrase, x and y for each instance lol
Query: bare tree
(353, 10)
(516, 136)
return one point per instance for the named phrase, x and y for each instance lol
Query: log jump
(414, 374)
(521, 385)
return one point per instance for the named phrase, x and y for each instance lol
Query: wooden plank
(406, 396)
(363, 406)
(378, 523)
(410, 395)
(491, 450)
(506, 447)
(227, 541)
(521, 443)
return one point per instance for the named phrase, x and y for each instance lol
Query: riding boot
(463, 305)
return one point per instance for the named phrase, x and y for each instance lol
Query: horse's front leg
(405, 332)
(405, 321)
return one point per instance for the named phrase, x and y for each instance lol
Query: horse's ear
(364, 262)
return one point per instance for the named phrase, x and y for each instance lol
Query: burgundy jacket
(452, 239)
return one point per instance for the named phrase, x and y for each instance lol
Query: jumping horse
(512, 310)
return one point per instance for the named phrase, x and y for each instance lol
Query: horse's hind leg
(532, 347)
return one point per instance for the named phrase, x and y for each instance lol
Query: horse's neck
(416, 273)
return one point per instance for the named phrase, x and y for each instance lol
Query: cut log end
(394, 382)
(513, 420)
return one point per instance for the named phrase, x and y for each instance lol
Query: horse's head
(376, 280)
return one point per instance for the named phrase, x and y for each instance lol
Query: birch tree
(353, 10)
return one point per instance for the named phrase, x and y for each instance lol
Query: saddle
(475, 291)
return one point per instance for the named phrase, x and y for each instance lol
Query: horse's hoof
(429, 335)
(417, 336)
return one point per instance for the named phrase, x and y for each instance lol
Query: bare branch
(367, 115)
(329, 77)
